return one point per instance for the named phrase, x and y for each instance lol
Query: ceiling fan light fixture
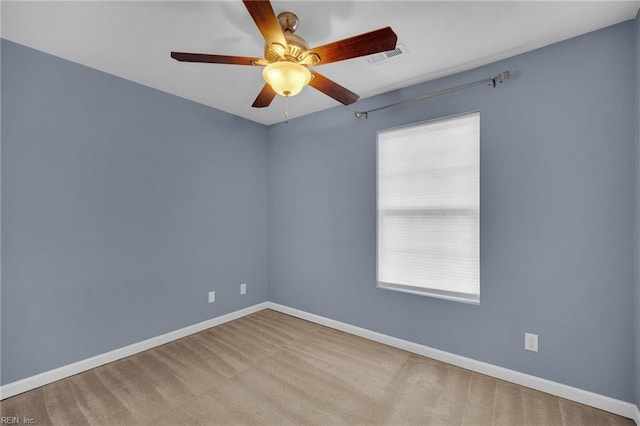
(287, 55)
(286, 78)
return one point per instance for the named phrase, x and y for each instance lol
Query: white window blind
(428, 208)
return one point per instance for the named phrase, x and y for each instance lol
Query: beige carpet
(270, 368)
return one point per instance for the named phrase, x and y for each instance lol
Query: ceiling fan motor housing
(296, 45)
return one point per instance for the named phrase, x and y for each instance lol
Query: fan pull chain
(286, 111)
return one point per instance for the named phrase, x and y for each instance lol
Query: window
(428, 208)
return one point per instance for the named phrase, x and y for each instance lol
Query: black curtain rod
(491, 81)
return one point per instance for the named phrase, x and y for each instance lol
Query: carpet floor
(274, 369)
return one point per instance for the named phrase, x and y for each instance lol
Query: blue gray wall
(122, 206)
(557, 202)
(637, 253)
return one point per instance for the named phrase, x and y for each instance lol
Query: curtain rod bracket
(501, 77)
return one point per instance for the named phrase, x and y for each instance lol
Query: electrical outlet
(212, 296)
(531, 342)
(243, 289)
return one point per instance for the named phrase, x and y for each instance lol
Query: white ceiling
(133, 40)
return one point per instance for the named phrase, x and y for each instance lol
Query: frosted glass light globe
(286, 78)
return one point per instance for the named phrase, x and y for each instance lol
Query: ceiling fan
(287, 55)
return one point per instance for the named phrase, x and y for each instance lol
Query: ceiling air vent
(378, 58)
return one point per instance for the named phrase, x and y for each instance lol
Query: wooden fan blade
(265, 97)
(376, 41)
(265, 18)
(213, 59)
(333, 89)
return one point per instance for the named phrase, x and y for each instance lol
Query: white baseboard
(602, 402)
(50, 376)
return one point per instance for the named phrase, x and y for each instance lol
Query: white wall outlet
(212, 296)
(531, 342)
(243, 289)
